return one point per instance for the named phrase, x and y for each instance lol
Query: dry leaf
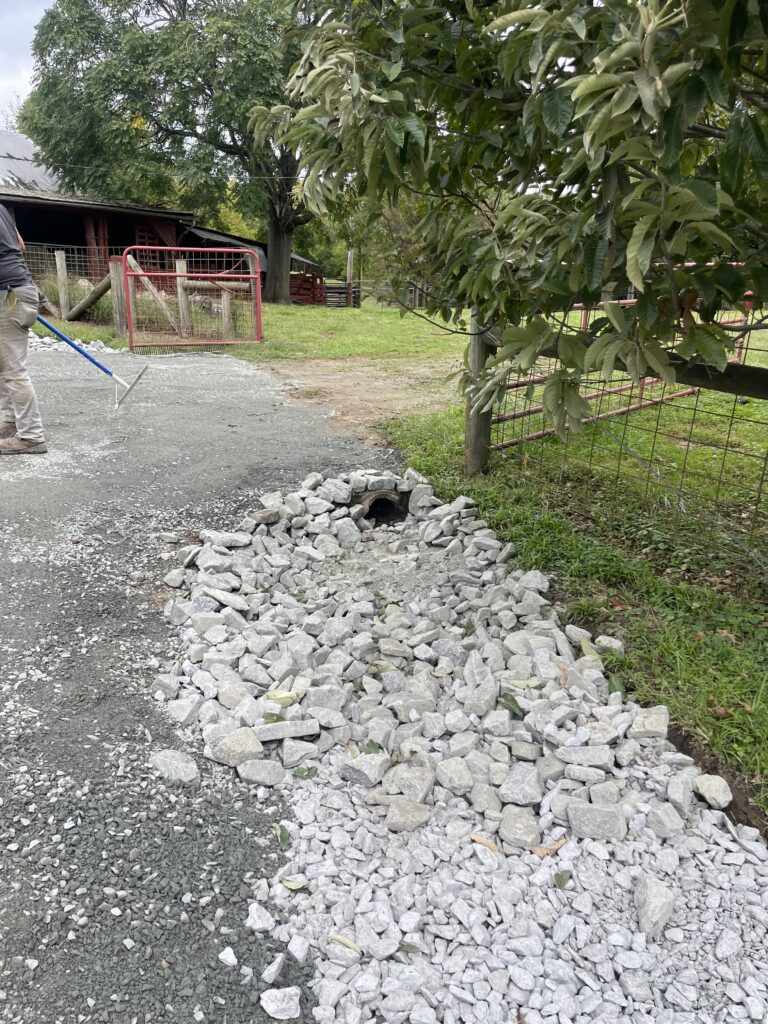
(293, 883)
(548, 851)
(726, 635)
(344, 941)
(721, 712)
(487, 843)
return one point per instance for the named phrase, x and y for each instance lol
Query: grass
(84, 331)
(313, 332)
(698, 647)
(302, 333)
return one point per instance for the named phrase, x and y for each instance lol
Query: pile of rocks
(46, 342)
(483, 831)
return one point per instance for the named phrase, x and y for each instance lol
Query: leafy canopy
(568, 151)
(150, 101)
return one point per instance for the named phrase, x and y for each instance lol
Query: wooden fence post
(119, 315)
(227, 322)
(185, 313)
(63, 281)
(477, 436)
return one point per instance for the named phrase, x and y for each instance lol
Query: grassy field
(698, 647)
(304, 333)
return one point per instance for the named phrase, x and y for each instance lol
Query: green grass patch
(80, 330)
(313, 332)
(694, 643)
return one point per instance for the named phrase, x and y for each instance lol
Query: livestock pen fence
(691, 454)
(155, 296)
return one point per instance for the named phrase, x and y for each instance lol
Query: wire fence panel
(698, 456)
(191, 298)
(66, 275)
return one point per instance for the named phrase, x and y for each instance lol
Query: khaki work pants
(18, 402)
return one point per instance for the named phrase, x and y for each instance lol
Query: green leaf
(414, 127)
(294, 884)
(371, 747)
(524, 17)
(283, 836)
(639, 250)
(272, 718)
(556, 112)
(305, 773)
(508, 703)
(562, 878)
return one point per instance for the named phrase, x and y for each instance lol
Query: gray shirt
(13, 270)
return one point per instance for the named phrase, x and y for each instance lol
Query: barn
(90, 230)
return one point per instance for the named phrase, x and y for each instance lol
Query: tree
(150, 101)
(568, 151)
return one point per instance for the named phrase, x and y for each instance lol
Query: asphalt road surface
(116, 893)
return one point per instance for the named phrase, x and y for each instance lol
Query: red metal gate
(191, 298)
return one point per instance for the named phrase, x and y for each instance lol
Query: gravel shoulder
(118, 893)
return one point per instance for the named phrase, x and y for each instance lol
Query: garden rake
(118, 381)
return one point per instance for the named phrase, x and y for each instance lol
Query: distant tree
(566, 152)
(150, 101)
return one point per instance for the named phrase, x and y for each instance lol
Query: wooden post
(350, 271)
(119, 315)
(477, 436)
(93, 296)
(185, 313)
(63, 281)
(227, 323)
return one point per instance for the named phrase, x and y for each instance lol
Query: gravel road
(117, 895)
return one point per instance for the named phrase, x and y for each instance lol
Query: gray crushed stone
(482, 832)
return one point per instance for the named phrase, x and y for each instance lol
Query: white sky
(17, 28)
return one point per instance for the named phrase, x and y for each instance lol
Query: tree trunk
(279, 248)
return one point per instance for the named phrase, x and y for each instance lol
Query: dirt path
(118, 893)
(363, 392)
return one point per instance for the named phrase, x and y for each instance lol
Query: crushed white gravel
(480, 831)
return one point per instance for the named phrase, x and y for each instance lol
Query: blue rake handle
(91, 359)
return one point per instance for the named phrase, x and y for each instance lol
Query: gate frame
(254, 276)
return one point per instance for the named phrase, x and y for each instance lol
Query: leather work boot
(18, 446)
(7, 430)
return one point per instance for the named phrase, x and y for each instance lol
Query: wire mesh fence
(191, 298)
(697, 457)
(67, 274)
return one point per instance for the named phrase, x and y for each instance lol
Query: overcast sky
(17, 28)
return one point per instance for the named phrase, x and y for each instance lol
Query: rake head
(127, 388)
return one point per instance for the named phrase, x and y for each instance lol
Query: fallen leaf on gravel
(487, 843)
(305, 773)
(344, 941)
(283, 836)
(371, 747)
(408, 947)
(293, 883)
(508, 703)
(272, 718)
(283, 699)
(562, 878)
(548, 851)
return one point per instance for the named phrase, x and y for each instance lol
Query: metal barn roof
(18, 168)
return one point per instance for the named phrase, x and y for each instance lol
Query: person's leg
(17, 394)
(7, 415)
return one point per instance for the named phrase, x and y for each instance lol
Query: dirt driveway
(361, 392)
